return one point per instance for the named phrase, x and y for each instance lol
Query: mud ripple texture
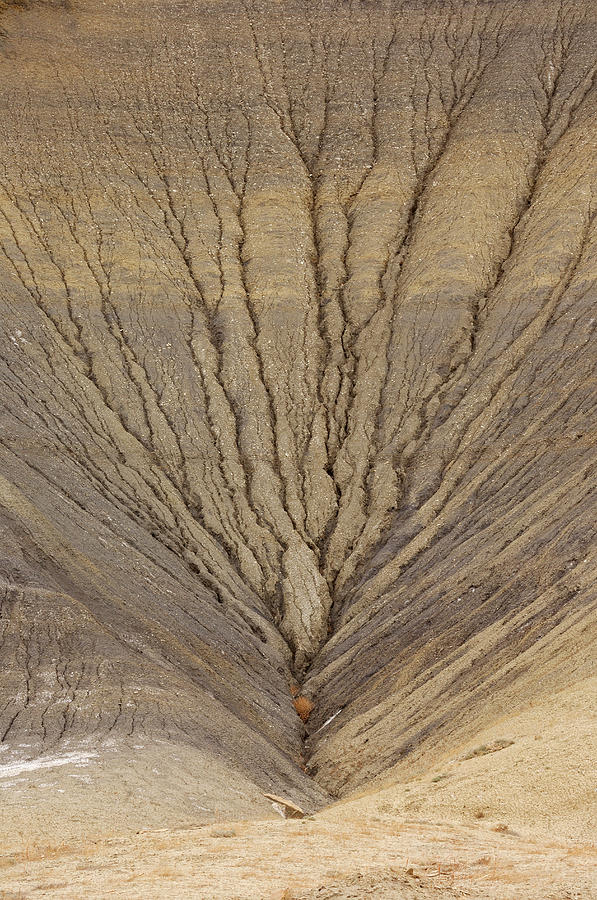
(297, 315)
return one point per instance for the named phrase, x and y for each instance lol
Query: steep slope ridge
(298, 375)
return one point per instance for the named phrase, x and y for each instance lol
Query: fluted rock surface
(298, 374)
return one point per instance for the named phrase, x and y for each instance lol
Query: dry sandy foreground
(345, 852)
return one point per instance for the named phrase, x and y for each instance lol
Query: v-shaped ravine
(269, 261)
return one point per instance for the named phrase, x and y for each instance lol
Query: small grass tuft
(303, 706)
(493, 747)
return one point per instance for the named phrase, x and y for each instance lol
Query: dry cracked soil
(298, 448)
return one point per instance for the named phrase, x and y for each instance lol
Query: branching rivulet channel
(290, 292)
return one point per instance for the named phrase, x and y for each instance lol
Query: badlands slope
(298, 400)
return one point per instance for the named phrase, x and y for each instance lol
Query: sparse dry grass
(484, 749)
(304, 707)
(349, 851)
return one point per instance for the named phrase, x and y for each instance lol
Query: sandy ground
(348, 853)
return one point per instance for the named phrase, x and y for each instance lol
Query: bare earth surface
(298, 403)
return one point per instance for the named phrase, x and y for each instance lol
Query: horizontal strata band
(297, 376)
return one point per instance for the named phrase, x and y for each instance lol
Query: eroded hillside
(298, 381)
